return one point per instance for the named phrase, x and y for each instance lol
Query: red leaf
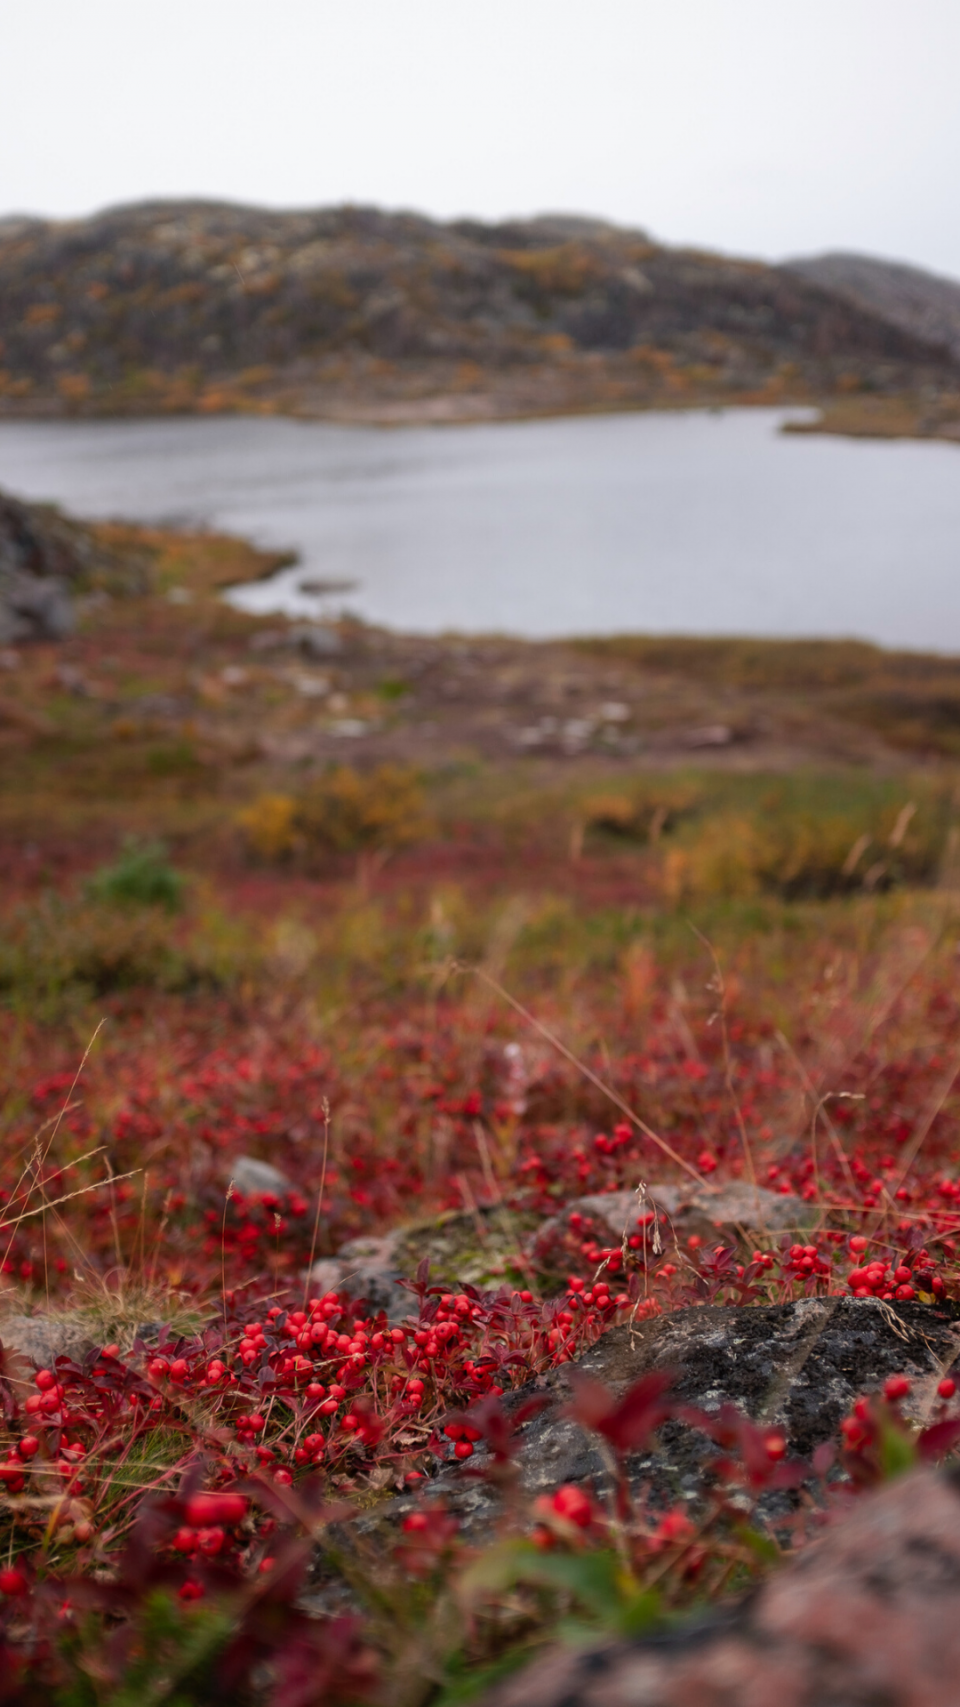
(628, 1422)
(592, 1401)
(939, 1439)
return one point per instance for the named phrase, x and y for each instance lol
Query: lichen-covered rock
(735, 1210)
(869, 1616)
(799, 1366)
(482, 1249)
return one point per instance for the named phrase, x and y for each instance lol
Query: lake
(700, 523)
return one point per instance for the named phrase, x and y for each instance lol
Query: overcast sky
(766, 127)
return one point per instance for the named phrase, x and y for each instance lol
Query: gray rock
(33, 608)
(736, 1208)
(41, 1339)
(254, 1178)
(460, 1248)
(868, 1616)
(797, 1366)
(315, 639)
(367, 1268)
(44, 559)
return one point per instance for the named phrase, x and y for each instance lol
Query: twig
(316, 1218)
(581, 1066)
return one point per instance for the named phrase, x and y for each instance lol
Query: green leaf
(598, 1579)
(761, 1546)
(644, 1610)
(465, 1681)
(898, 1453)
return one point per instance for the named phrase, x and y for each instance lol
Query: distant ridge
(924, 304)
(354, 313)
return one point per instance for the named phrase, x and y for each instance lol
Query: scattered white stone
(312, 687)
(253, 1178)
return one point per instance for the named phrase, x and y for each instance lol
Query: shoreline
(887, 419)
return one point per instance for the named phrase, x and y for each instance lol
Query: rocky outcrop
(734, 1210)
(459, 1248)
(798, 1367)
(869, 1616)
(46, 559)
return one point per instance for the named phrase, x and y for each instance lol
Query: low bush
(141, 877)
(343, 811)
(787, 849)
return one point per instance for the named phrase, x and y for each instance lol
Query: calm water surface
(698, 523)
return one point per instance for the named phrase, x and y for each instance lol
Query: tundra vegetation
(446, 936)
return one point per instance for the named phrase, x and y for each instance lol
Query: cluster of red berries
(882, 1279)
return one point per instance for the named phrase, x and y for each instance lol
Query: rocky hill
(921, 303)
(354, 313)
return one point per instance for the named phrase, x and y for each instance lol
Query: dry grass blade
(581, 1067)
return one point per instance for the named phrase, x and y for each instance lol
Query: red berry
(28, 1446)
(216, 1508)
(463, 1449)
(896, 1387)
(572, 1503)
(44, 1380)
(947, 1388)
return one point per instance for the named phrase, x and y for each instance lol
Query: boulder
(480, 1248)
(734, 1210)
(868, 1616)
(796, 1366)
(253, 1178)
(44, 559)
(41, 1339)
(315, 639)
(32, 608)
(366, 1268)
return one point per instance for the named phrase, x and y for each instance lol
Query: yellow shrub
(270, 825)
(728, 857)
(345, 810)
